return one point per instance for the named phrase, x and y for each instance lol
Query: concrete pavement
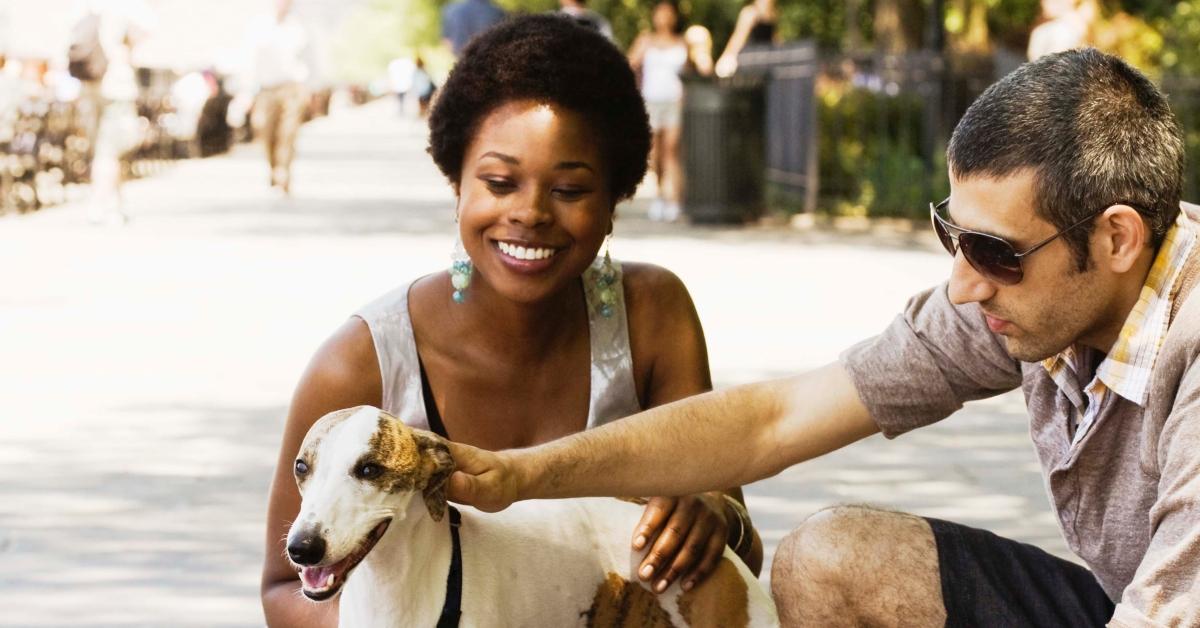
(146, 370)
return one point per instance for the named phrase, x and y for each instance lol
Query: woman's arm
(727, 63)
(637, 52)
(343, 373)
(686, 535)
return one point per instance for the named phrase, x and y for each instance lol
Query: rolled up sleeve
(932, 359)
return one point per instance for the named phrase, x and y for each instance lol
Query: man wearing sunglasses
(1073, 278)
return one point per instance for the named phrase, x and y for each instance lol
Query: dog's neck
(405, 574)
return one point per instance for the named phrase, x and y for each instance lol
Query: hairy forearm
(719, 439)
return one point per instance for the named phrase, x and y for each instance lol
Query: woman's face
(534, 199)
(664, 17)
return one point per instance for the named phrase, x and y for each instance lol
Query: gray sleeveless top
(613, 393)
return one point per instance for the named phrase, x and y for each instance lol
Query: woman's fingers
(712, 553)
(690, 552)
(670, 539)
(657, 511)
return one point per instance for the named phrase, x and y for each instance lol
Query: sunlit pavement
(146, 369)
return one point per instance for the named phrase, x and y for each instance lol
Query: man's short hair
(1095, 132)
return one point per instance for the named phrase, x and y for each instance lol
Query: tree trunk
(898, 25)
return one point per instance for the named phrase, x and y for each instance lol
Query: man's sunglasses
(992, 256)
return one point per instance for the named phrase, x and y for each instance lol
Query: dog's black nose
(306, 549)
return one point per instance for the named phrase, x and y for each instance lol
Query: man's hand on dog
(686, 536)
(484, 479)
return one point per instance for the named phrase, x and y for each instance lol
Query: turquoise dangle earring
(460, 271)
(607, 279)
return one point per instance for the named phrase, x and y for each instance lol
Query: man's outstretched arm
(724, 438)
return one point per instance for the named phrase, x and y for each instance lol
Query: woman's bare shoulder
(653, 288)
(345, 366)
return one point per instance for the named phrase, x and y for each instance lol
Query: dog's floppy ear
(437, 466)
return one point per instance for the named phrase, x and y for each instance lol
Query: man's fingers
(657, 511)
(460, 488)
(466, 458)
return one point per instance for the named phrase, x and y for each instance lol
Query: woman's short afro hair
(551, 59)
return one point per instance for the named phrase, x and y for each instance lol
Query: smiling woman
(532, 334)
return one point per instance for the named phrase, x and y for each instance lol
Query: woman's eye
(571, 194)
(367, 471)
(301, 467)
(499, 185)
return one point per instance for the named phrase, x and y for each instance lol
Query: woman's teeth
(520, 252)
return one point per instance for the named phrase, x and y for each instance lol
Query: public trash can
(723, 150)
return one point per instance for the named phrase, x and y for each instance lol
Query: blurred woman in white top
(660, 56)
(122, 25)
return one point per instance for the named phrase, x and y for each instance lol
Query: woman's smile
(525, 258)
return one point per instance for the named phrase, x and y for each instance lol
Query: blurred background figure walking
(465, 19)
(1066, 25)
(282, 59)
(100, 57)
(755, 27)
(660, 57)
(578, 11)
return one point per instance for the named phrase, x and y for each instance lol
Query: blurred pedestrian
(282, 67)
(755, 27)
(465, 19)
(578, 11)
(660, 57)
(1064, 27)
(101, 58)
(423, 87)
(400, 76)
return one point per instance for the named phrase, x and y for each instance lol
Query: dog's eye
(301, 467)
(367, 471)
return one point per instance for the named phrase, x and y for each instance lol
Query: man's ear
(1125, 237)
(436, 465)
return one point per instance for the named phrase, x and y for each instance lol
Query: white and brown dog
(548, 563)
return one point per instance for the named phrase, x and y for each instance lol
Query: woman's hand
(686, 536)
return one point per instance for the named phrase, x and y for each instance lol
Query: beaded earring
(460, 271)
(606, 279)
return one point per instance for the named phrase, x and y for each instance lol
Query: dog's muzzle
(308, 548)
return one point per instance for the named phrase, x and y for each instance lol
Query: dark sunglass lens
(992, 257)
(943, 235)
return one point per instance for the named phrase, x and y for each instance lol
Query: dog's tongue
(317, 578)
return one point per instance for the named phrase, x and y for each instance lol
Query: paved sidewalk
(147, 369)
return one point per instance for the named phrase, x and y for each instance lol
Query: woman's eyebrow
(508, 159)
(574, 165)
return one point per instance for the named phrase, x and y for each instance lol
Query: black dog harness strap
(452, 609)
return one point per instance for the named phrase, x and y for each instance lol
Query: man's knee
(846, 557)
(836, 539)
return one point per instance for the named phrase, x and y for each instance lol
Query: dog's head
(358, 470)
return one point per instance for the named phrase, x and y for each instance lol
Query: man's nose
(308, 548)
(966, 284)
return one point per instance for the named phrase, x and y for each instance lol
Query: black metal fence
(866, 134)
(861, 133)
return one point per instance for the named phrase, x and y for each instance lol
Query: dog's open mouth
(322, 583)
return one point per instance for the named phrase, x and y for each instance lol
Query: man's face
(1054, 305)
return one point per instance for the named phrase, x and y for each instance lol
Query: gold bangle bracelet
(743, 518)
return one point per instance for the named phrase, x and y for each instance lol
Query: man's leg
(292, 107)
(855, 565)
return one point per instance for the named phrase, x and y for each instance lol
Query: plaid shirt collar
(1126, 369)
